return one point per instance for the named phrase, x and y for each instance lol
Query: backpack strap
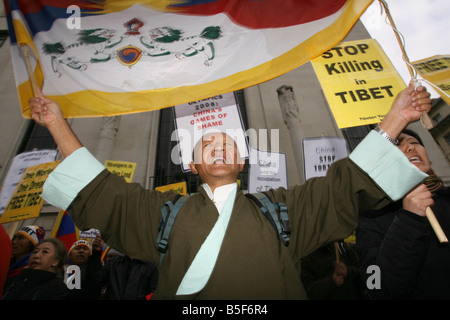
(276, 213)
(169, 212)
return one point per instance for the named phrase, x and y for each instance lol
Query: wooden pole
(12, 228)
(34, 86)
(435, 225)
(425, 119)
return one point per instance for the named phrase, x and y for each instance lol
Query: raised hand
(410, 104)
(43, 110)
(49, 111)
(407, 107)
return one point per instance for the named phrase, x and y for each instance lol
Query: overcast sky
(424, 24)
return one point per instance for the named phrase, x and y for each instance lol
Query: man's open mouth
(219, 160)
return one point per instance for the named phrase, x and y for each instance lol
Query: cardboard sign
(26, 201)
(320, 153)
(216, 114)
(359, 82)
(17, 168)
(179, 187)
(268, 170)
(436, 69)
(122, 169)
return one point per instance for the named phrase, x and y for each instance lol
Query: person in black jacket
(23, 243)
(125, 278)
(41, 279)
(400, 243)
(333, 272)
(89, 260)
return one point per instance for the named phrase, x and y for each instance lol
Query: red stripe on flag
(266, 13)
(34, 6)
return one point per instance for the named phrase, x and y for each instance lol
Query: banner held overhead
(112, 57)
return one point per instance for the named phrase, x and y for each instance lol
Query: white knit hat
(34, 233)
(81, 242)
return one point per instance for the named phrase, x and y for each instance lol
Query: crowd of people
(222, 248)
(42, 273)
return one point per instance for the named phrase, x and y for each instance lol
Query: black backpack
(276, 213)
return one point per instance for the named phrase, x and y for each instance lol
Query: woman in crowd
(400, 241)
(41, 279)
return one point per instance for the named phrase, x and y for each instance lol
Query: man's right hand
(43, 107)
(53, 119)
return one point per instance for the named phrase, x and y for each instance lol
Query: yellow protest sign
(436, 70)
(26, 201)
(122, 169)
(179, 187)
(359, 82)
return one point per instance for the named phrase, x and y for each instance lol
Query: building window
(447, 138)
(437, 118)
(3, 36)
(168, 172)
(36, 138)
(355, 135)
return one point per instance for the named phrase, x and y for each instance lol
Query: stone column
(107, 137)
(291, 117)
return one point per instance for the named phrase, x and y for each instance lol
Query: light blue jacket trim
(386, 165)
(69, 177)
(201, 268)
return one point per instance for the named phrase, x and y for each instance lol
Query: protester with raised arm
(221, 246)
(400, 241)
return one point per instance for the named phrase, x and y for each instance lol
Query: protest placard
(436, 69)
(179, 187)
(216, 114)
(320, 153)
(17, 168)
(26, 201)
(122, 169)
(268, 170)
(359, 82)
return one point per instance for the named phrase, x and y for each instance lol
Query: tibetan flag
(65, 230)
(105, 251)
(112, 57)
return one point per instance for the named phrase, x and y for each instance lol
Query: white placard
(18, 166)
(267, 171)
(320, 153)
(216, 114)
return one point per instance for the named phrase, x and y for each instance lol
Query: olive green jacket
(252, 262)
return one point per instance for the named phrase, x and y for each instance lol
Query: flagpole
(425, 120)
(34, 86)
(435, 225)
